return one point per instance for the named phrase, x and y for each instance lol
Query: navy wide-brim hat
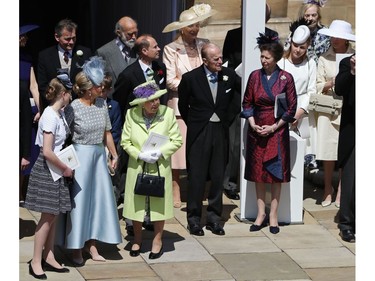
(27, 28)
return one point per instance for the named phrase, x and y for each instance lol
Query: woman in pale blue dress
(94, 213)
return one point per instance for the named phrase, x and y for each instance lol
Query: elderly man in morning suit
(119, 53)
(208, 102)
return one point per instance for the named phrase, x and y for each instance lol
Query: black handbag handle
(144, 166)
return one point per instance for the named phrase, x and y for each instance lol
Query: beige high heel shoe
(94, 254)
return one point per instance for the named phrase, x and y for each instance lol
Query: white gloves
(156, 153)
(150, 156)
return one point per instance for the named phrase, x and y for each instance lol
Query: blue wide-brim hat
(27, 28)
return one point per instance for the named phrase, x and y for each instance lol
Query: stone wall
(283, 13)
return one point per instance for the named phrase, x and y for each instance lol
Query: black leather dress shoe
(37, 276)
(48, 267)
(195, 229)
(215, 228)
(148, 226)
(347, 235)
(153, 256)
(231, 194)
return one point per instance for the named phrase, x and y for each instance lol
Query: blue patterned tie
(212, 78)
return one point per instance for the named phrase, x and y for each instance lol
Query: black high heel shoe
(48, 267)
(37, 276)
(154, 256)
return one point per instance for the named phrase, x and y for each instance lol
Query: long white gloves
(150, 156)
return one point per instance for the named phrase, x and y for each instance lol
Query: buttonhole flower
(225, 78)
(160, 72)
(79, 53)
(282, 77)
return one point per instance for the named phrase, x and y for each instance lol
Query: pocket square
(226, 91)
(161, 80)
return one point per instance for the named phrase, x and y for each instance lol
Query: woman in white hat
(146, 117)
(180, 56)
(340, 33)
(303, 69)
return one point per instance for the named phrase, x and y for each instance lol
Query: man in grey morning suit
(119, 52)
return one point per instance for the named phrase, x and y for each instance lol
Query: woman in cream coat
(149, 116)
(328, 126)
(303, 69)
(180, 56)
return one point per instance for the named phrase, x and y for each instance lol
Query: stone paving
(309, 251)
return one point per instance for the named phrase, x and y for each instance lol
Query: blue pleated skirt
(94, 212)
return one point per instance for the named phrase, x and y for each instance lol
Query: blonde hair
(82, 84)
(288, 51)
(305, 7)
(54, 89)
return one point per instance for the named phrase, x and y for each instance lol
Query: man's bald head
(127, 30)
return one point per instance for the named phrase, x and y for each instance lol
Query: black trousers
(232, 169)
(347, 199)
(207, 159)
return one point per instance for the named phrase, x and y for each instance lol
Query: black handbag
(149, 185)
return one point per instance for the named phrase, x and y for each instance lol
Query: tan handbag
(325, 104)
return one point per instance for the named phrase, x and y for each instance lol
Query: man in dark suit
(208, 102)
(119, 52)
(232, 53)
(63, 55)
(345, 87)
(135, 74)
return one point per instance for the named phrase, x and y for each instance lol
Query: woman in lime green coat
(149, 116)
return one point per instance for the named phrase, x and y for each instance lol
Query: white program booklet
(69, 156)
(154, 141)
